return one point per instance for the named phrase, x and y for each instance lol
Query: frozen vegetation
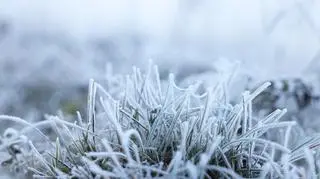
(72, 105)
(154, 129)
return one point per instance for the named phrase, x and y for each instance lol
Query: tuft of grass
(151, 128)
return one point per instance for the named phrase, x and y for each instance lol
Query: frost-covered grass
(140, 127)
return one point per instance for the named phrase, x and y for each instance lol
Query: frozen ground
(50, 50)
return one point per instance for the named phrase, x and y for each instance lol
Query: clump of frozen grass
(154, 129)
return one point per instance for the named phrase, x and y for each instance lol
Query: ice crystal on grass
(149, 128)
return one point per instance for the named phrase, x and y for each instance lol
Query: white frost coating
(146, 132)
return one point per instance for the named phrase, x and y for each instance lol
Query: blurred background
(50, 49)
